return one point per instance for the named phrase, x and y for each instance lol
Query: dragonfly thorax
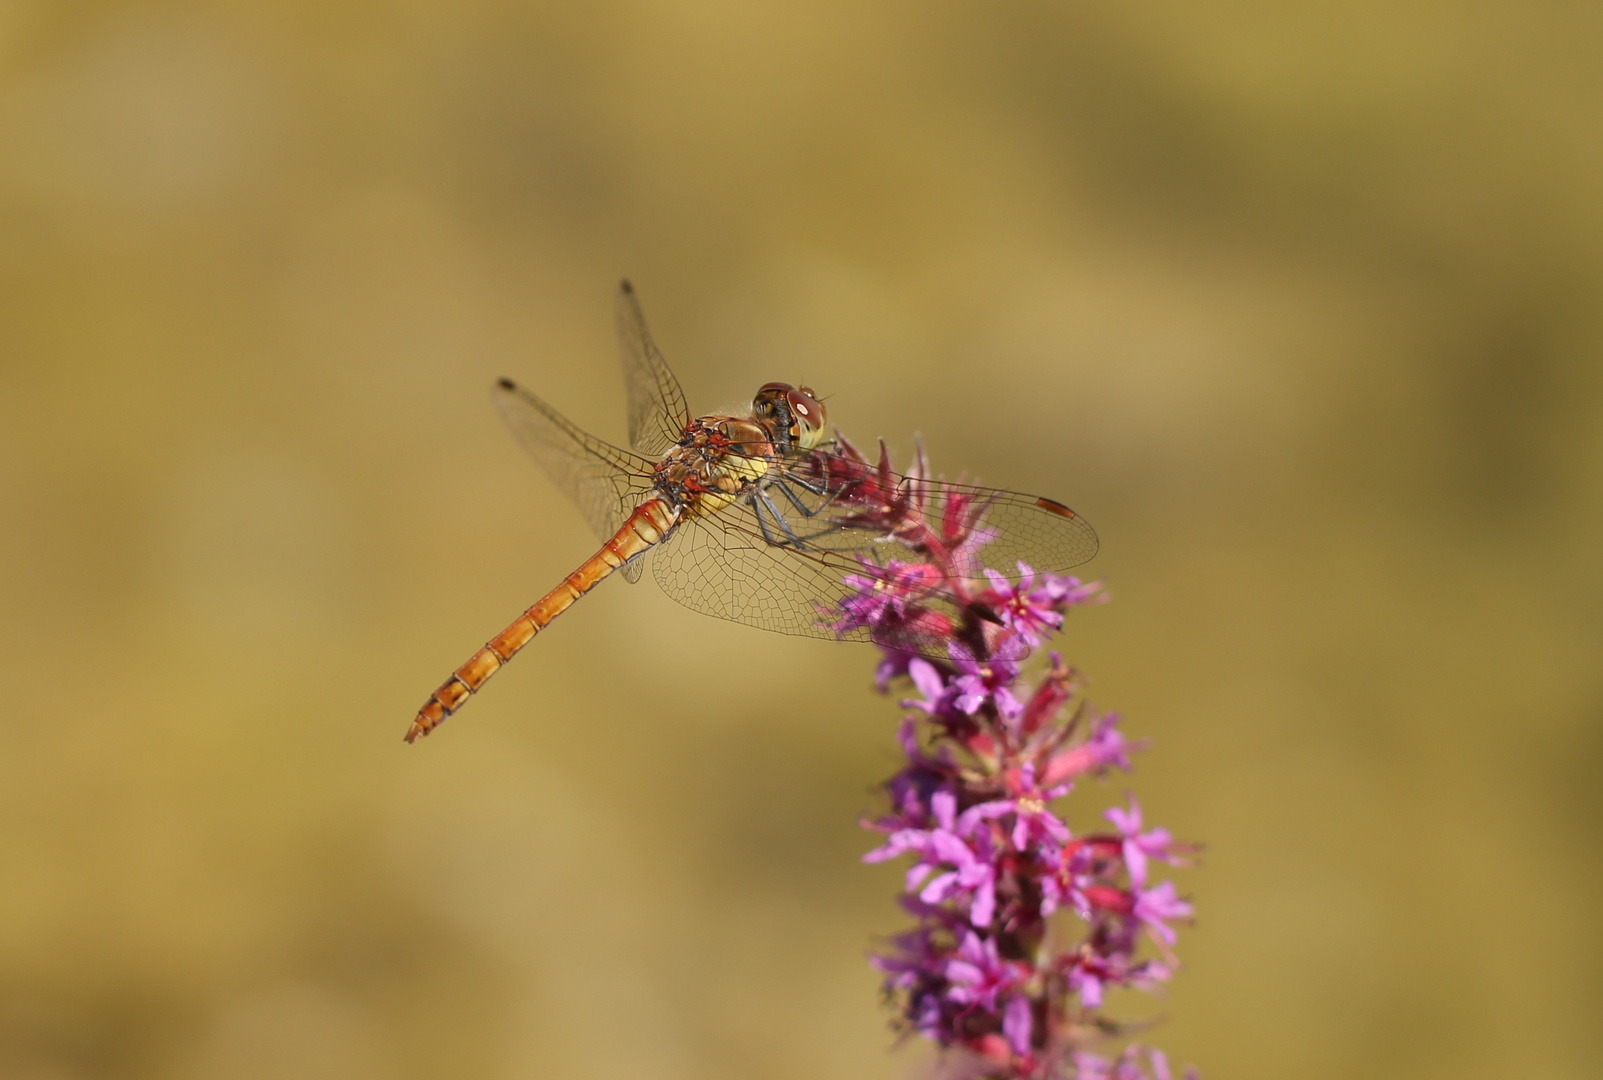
(718, 459)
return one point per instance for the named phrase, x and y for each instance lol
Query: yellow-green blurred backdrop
(1298, 303)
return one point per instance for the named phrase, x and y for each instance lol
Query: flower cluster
(987, 972)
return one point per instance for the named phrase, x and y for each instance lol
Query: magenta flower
(1136, 1063)
(978, 682)
(947, 865)
(978, 975)
(1030, 609)
(1087, 977)
(1154, 906)
(1033, 823)
(1106, 747)
(1140, 846)
(976, 808)
(1034, 608)
(893, 663)
(938, 697)
(885, 595)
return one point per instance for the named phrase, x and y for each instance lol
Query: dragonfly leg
(790, 496)
(827, 529)
(790, 539)
(762, 522)
(779, 519)
(802, 508)
(817, 489)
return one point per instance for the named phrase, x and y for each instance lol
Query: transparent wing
(605, 482)
(657, 410)
(1041, 533)
(778, 558)
(835, 501)
(723, 565)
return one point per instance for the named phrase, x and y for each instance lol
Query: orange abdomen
(646, 527)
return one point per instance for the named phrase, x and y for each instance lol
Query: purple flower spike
(977, 807)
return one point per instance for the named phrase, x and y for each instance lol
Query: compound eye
(766, 401)
(806, 409)
(809, 414)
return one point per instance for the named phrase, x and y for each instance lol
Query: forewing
(778, 559)
(605, 482)
(657, 410)
(1041, 533)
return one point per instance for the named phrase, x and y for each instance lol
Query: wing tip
(506, 384)
(625, 286)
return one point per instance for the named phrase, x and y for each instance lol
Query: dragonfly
(755, 516)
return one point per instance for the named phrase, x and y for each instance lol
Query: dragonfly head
(795, 412)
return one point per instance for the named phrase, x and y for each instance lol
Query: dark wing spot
(625, 286)
(1052, 506)
(508, 384)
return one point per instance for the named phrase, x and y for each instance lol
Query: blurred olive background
(1298, 303)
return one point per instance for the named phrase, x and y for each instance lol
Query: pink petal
(1016, 1025)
